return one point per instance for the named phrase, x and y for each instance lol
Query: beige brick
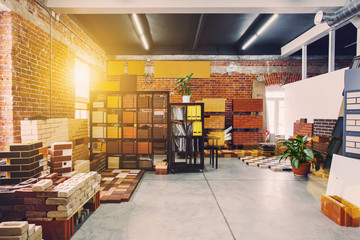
(37, 235)
(13, 228)
(57, 201)
(59, 214)
(42, 185)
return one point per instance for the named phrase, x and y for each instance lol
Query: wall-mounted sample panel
(106, 86)
(214, 104)
(248, 105)
(136, 67)
(247, 121)
(180, 69)
(115, 68)
(214, 122)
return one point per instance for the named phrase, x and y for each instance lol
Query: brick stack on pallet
(61, 158)
(48, 198)
(249, 125)
(20, 230)
(22, 162)
(323, 128)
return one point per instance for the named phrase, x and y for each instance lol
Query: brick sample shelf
(135, 130)
(118, 185)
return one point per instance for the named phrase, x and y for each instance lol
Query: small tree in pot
(300, 154)
(183, 84)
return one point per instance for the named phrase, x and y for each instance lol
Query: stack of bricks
(214, 122)
(129, 101)
(301, 128)
(144, 117)
(144, 148)
(61, 157)
(82, 166)
(23, 162)
(98, 163)
(129, 117)
(160, 101)
(129, 147)
(144, 102)
(247, 122)
(322, 128)
(20, 230)
(48, 197)
(129, 132)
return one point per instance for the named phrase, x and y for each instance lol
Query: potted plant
(183, 84)
(301, 156)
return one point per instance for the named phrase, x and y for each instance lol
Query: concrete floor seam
(217, 203)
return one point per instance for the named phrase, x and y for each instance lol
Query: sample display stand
(131, 127)
(186, 139)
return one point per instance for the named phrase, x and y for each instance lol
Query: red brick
(24, 207)
(34, 200)
(247, 121)
(25, 193)
(36, 214)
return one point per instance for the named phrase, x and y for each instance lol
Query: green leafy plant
(183, 84)
(298, 151)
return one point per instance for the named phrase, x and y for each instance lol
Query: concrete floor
(232, 202)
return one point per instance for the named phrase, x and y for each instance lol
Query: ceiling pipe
(340, 16)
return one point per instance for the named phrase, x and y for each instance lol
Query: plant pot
(185, 99)
(303, 169)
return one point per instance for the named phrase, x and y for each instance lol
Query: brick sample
(248, 105)
(247, 138)
(22, 162)
(214, 104)
(60, 163)
(247, 121)
(214, 122)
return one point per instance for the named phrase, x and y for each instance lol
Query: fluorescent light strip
(140, 31)
(261, 30)
(267, 24)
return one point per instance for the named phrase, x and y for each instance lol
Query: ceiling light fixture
(261, 30)
(140, 31)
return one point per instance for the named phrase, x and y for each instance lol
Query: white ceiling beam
(312, 35)
(191, 6)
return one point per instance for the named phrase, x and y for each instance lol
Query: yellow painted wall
(180, 69)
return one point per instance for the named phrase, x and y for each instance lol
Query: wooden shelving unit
(131, 127)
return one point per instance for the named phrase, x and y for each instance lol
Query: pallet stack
(22, 162)
(21, 230)
(48, 198)
(61, 158)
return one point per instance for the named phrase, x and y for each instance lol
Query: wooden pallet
(118, 185)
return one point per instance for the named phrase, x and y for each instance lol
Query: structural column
(331, 66)
(304, 62)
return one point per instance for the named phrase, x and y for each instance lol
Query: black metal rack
(157, 146)
(190, 158)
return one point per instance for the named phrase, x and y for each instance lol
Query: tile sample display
(119, 184)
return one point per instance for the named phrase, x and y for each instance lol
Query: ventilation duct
(340, 16)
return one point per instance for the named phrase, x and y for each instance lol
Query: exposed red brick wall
(6, 126)
(323, 127)
(248, 105)
(301, 129)
(248, 121)
(247, 138)
(43, 84)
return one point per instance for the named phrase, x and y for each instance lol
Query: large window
(275, 110)
(82, 89)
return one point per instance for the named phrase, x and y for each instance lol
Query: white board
(344, 179)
